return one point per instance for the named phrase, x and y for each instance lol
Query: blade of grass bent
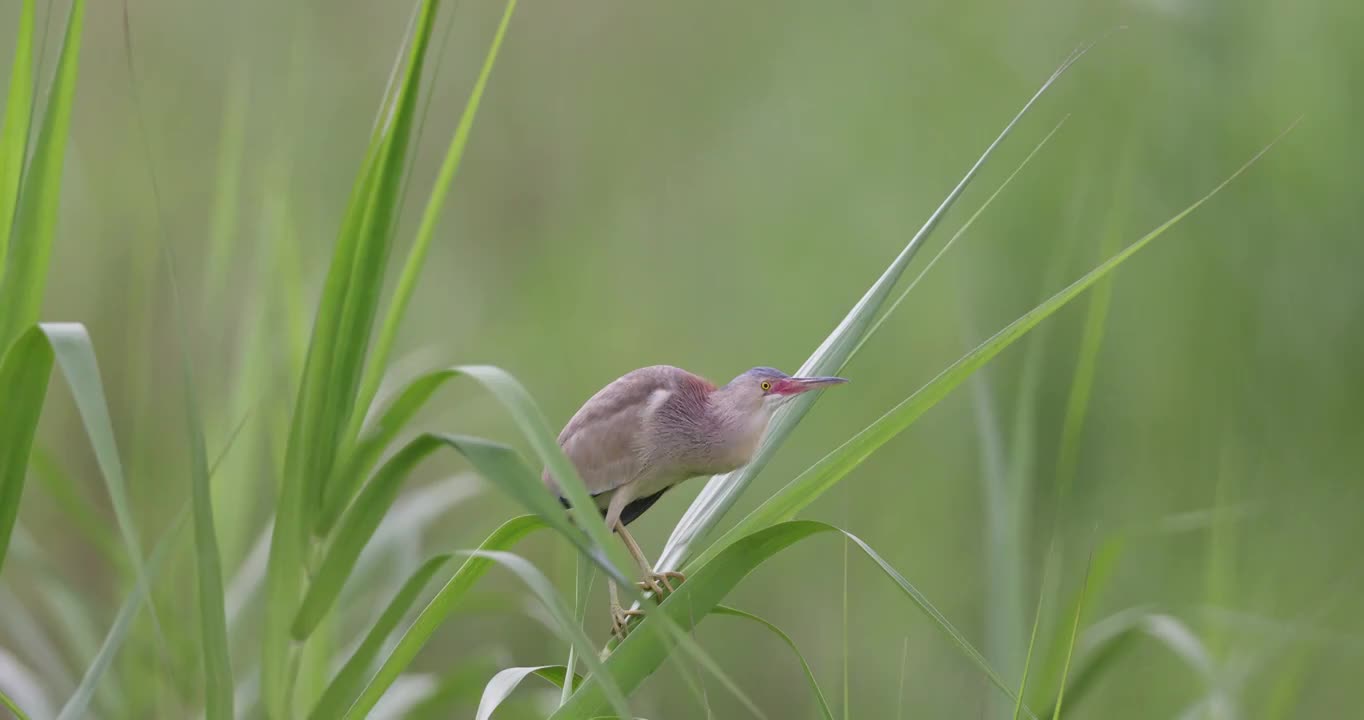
(24, 274)
(14, 126)
(499, 464)
(562, 620)
(349, 680)
(722, 491)
(824, 709)
(809, 485)
(445, 602)
(642, 653)
(529, 420)
(75, 355)
(505, 682)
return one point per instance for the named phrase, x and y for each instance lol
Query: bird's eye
(766, 386)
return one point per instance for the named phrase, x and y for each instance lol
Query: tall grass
(343, 457)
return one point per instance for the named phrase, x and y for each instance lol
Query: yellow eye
(766, 386)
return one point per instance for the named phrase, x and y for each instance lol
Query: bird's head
(767, 388)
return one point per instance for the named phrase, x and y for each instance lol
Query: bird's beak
(798, 385)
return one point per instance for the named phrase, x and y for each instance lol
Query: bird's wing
(607, 438)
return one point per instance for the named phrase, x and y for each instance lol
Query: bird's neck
(735, 432)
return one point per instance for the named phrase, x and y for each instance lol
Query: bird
(655, 427)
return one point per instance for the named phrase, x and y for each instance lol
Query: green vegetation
(1173, 472)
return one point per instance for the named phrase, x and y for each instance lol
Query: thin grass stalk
(1074, 630)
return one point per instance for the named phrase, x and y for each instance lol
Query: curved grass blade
(433, 615)
(14, 125)
(529, 420)
(365, 454)
(823, 475)
(347, 682)
(722, 491)
(336, 351)
(24, 274)
(642, 653)
(498, 463)
(503, 467)
(78, 705)
(23, 377)
(505, 682)
(564, 625)
(824, 710)
(421, 244)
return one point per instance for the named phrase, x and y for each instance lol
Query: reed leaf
(14, 125)
(823, 475)
(24, 272)
(722, 491)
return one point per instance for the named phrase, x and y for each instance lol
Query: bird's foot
(620, 620)
(661, 583)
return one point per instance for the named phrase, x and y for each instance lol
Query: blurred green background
(712, 185)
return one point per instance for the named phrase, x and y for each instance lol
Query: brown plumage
(657, 426)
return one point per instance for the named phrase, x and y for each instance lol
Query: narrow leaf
(12, 707)
(421, 244)
(218, 684)
(563, 623)
(823, 475)
(336, 352)
(25, 270)
(348, 682)
(641, 653)
(434, 615)
(722, 491)
(14, 125)
(78, 706)
(824, 710)
(499, 464)
(505, 682)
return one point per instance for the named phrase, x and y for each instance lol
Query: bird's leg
(652, 580)
(620, 617)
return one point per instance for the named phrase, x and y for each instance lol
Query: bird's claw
(620, 620)
(661, 583)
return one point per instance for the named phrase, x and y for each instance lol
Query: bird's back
(608, 439)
